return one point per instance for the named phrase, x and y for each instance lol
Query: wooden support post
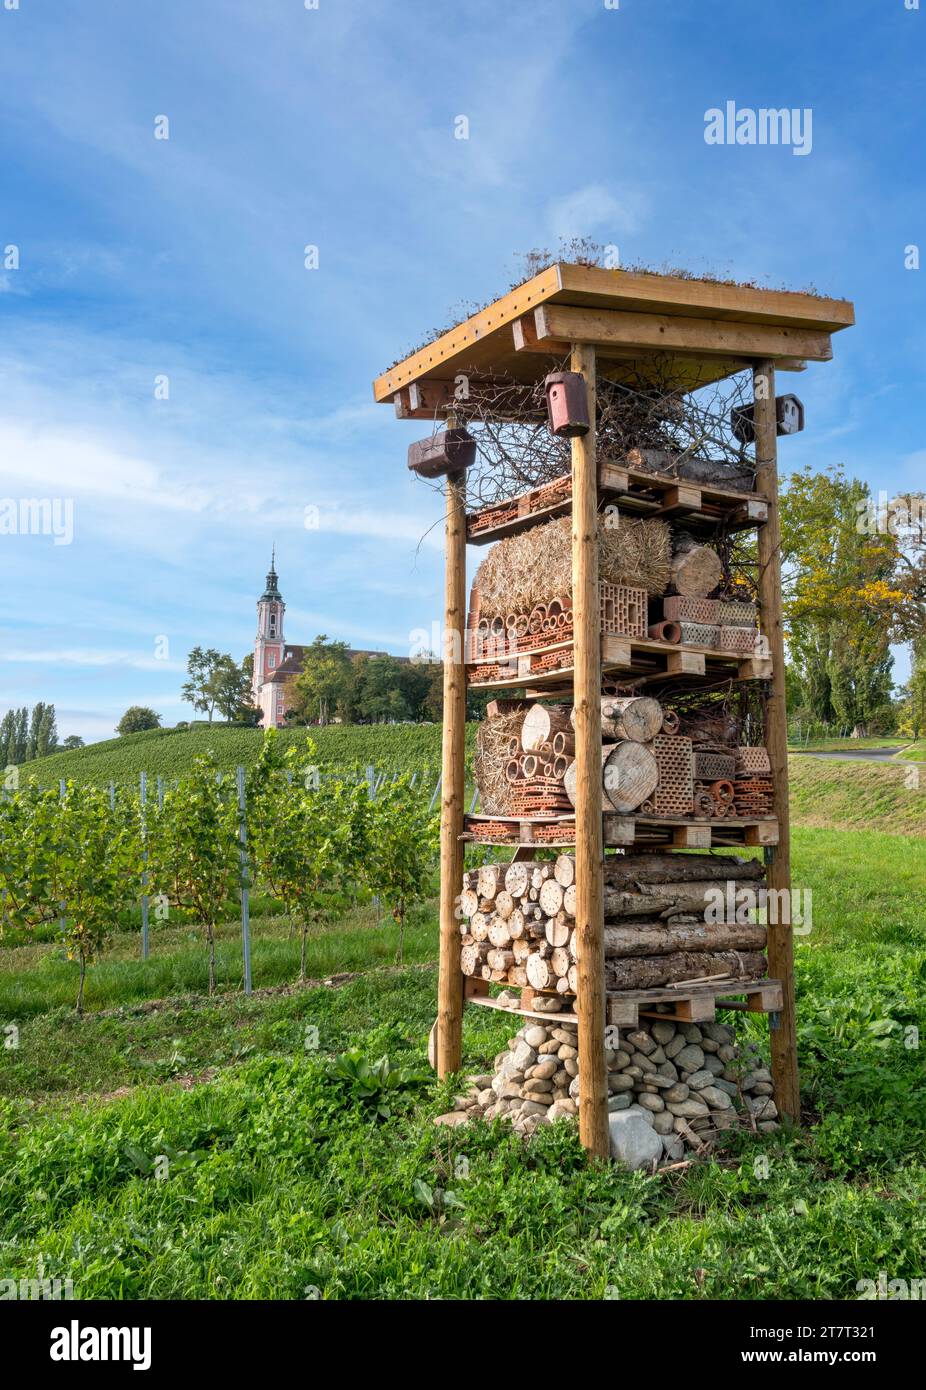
(780, 940)
(593, 1095)
(450, 980)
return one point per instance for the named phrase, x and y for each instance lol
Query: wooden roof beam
(619, 329)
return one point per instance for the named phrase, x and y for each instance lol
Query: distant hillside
(829, 794)
(169, 752)
(838, 795)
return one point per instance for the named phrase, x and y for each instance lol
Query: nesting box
(567, 403)
(448, 451)
(789, 418)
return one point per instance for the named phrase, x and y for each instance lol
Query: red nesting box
(567, 403)
(448, 451)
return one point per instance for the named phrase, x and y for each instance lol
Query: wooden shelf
(703, 506)
(642, 657)
(679, 832)
(690, 1003)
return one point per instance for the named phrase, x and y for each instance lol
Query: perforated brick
(680, 609)
(623, 610)
(709, 766)
(700, 635)
(735, 613)
(674, 794)
(739, 639)
(753, 759)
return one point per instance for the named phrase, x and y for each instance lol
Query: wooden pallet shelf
(693, 1003)
(636, 657)
(680, 832)
(704, 507)
(687, 1003)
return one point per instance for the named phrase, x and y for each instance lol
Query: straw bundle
(524, 570)
(492, 745)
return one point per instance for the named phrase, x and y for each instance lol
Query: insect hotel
(608, 440)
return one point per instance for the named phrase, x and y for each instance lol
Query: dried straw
(492, 753)
(536, 566)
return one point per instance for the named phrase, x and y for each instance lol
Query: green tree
(913, 696)
(72, 741)
(7, 738)
(232, 686)
(400, 866)
(69, 858)
(193, 848)
(20, 746)
(839, 588)
(136, 719)
(307, 842)
(214, 681)
(322, 688)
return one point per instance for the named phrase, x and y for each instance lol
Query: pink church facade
(275, 663)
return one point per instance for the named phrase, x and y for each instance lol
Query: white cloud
(595, 210)
(88, 656)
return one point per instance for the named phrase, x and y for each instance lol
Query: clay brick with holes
(623, 610)
(752, 759)
(674, 794)
(709, 766)
(680, 609)
(700, 635)
(738, 639)
(735, 613)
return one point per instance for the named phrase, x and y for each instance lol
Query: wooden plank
(685, 663)
(649, 332)
(692, 837)
(453, 775)
(763, 832)
(484, 340)
(676, 294)
(701, 1008)
(593, 1099)
(780, 941)
(485, 1001)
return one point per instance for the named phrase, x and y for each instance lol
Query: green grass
(842, 795)
(279, 1184)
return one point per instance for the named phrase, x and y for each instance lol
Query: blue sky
(334, 126)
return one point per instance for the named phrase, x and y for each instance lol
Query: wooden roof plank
(671, 333)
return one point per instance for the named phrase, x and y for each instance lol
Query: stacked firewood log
(519, 925)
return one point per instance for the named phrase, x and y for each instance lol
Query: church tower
(268, 646)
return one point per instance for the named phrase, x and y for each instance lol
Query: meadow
(167, 1145)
